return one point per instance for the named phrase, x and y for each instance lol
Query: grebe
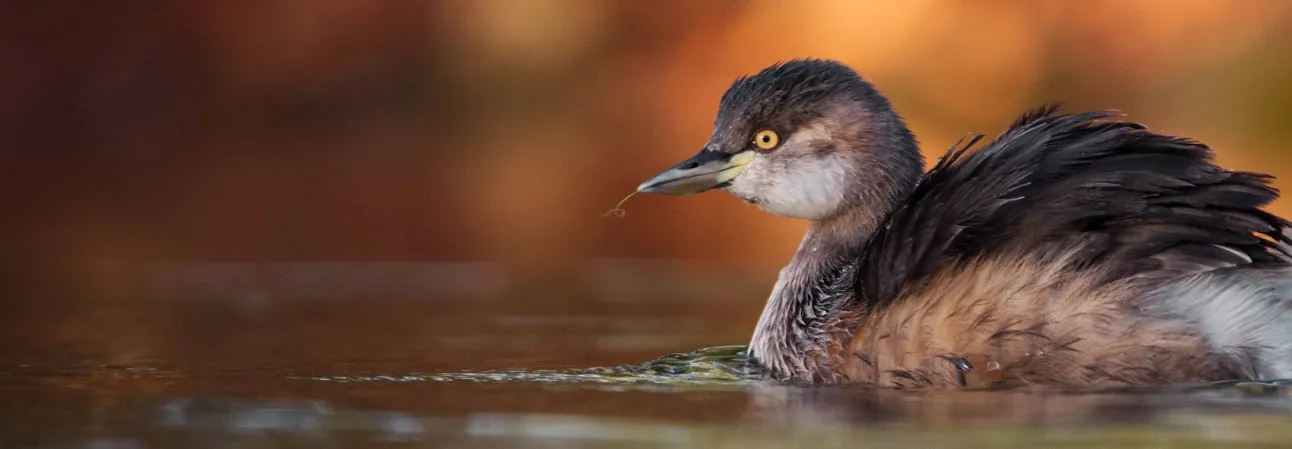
(1073, 249)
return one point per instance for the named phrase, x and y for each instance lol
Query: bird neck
(806, 312)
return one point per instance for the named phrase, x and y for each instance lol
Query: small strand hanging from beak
(618, 210)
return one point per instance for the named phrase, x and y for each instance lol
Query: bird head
(802, 139)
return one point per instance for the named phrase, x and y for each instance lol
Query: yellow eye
(766, 139)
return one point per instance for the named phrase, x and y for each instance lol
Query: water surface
(400, 355)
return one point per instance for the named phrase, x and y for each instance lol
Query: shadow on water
(308, 357)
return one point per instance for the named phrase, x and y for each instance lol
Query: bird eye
(766, 139)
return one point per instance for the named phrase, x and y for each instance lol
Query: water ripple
(714, 366)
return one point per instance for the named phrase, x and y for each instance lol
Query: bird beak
(704, 171)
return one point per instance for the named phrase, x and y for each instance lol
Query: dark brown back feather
(1135, 202)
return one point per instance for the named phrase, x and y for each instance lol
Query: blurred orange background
(141, 134)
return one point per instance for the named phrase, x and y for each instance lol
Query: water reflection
(363, 355)
(757, 415)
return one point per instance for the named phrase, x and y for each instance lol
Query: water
(396, 356)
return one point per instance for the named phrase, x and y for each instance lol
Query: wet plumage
(1072, 249)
